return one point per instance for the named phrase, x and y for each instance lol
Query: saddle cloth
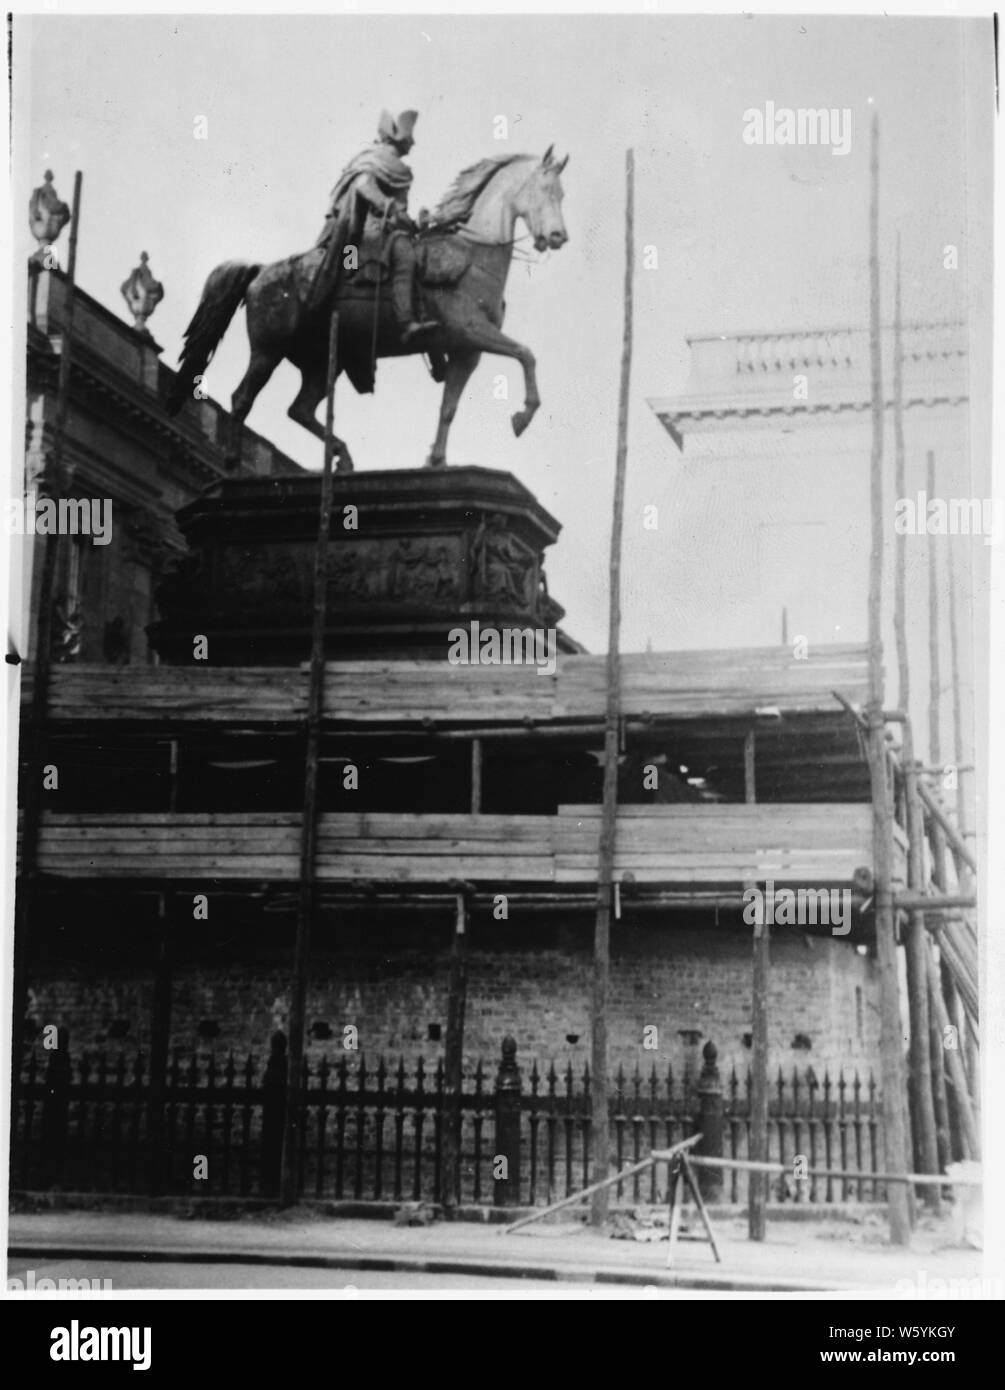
(441, 260)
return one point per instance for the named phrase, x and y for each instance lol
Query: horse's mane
(459, 199)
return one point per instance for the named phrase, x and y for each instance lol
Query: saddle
(374, 261)
(441, 259)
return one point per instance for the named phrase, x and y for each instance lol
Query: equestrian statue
(399, 287)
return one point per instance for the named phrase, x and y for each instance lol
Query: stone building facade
(123, 449)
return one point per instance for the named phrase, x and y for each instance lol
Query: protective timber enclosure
(452, 830)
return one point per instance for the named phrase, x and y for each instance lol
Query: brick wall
(532, 979)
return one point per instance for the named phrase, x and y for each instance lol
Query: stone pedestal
(413, 553)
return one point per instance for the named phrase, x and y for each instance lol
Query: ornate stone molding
(412, 555)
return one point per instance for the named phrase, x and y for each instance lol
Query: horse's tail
(224, 293)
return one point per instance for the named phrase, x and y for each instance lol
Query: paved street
(314, 1251)
(138, 1274)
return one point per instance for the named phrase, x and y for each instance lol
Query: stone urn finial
(47, 216)
(142, 293)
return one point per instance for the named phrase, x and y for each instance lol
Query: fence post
(454, 1056)
(710, 1122)
(508, 1086)
(161, 1160)
(273, 1116)
(56, 1110)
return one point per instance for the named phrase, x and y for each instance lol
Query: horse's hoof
(436, 460)
(520, 422)
(344, 464)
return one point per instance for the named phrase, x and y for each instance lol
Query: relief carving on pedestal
(423, 569)
(408, 569)
(280, 578)
(503, 566)
(266, 575)
(357, 570)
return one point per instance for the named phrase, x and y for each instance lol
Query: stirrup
(415, 330)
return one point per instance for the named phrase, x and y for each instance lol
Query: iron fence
(96, 1123)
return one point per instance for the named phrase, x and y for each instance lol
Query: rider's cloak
(382, 161)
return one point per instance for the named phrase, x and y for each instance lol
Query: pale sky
(746, 237)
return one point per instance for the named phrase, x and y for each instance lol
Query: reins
(455, 228)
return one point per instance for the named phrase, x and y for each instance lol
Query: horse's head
(539, 203)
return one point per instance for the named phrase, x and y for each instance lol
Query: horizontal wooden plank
(714, 684)
(670, 845)
(484, 868)
(735, 876)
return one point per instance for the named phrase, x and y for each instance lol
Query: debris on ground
(416, 1214)
(644, 1227)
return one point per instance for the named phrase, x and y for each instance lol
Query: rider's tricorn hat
(397, 127)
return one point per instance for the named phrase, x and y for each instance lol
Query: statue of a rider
(369, 205)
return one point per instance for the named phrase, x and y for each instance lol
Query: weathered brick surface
(684, 978)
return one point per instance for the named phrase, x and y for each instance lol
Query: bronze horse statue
(464, 254)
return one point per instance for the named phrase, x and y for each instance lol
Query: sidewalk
(796, 1257)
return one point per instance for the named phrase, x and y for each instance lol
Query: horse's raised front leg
(260, 368)
(303, 411)
(460, 365)
(486, 338)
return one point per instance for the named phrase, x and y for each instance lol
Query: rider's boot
(402, 276)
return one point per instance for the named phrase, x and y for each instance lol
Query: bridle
(462, 229)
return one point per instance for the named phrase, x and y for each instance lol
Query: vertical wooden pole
(758, 1182)
(946, 1117)
(900, 488)
(886, 941)
(173, 775)
(599, 1127)
(957, 1075)
(477, 752)
(918, 949)
(757, 1189)
(934, 642)
(454, 1054)
(922, 1108)
(292, 1137)
(963, 800)
(749, 767)
(959, 732)
(964, 811)
(51, 545)
(940, 1094)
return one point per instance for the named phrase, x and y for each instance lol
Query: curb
(426, 1264)
(31, 1202)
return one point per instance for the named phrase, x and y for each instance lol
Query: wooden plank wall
(712, 683)
(175, 694)
(684, 684)
(668, 845)
(724, 844)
